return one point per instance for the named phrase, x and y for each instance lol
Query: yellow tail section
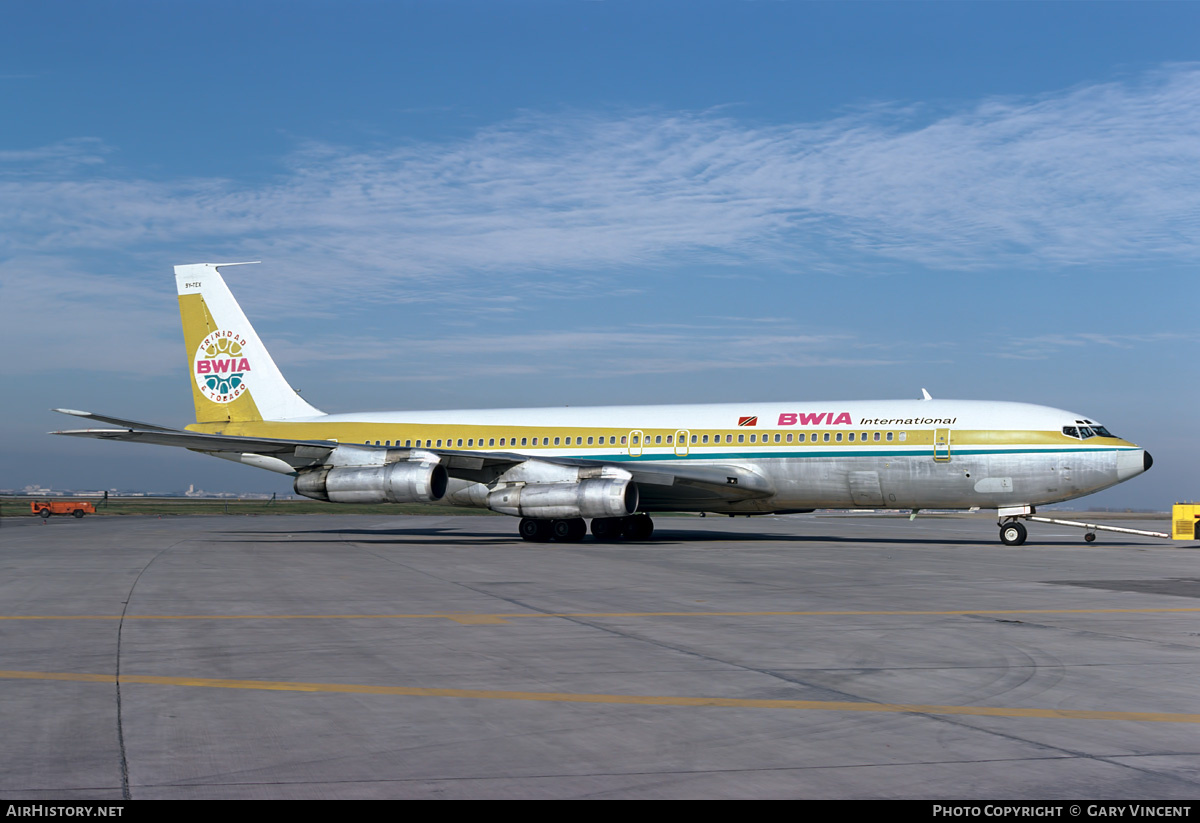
(199, 328)
(233, 378)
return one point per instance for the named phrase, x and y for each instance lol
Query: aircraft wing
(660, 486)
(296, 453)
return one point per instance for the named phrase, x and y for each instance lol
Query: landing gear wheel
(1013, 534)
(639, 527)
(1089, 537)
(45, 513)
(78, 513)
(606, 529)
(569, 531)
(535, 531)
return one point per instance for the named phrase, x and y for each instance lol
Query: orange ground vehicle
(76, 508)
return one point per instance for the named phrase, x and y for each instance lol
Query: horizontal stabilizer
(116, 421)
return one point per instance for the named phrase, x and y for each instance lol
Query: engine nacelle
(594, 497)
(403, 482)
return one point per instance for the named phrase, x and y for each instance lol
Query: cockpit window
(1084, 432)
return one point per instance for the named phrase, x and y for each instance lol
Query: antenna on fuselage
(926, 395)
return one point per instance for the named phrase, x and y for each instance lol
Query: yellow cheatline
(495, 619)
(611, 699)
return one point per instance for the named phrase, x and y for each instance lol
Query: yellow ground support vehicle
(1185, 521)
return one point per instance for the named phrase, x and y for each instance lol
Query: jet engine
(594, 497)
(403, 482)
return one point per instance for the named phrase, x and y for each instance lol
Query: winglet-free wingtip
(926, 395)
(73, 412)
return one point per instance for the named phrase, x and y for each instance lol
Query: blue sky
(463, 204)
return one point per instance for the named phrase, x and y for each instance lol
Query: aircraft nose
(1133, 462)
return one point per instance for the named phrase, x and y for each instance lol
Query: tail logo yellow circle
(220, 366)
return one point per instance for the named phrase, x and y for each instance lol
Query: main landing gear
(604, 529)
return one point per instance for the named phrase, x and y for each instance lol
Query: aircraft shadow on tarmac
(364, 535)
(662, 537)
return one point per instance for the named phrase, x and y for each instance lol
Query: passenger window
(501, 441)
(407, 443)
(839, 437)
(889, 437)
(657, 439)
(704, 439)
(876, 437)
(522, 441)
(693, 439)
(741, 438)
(623, 438)
(579, 441)
(669, 436)
(851, 437)
(752, 438)
(589, 440)
(789, 437)
(903, 436)
(492, 442)
(826, 437)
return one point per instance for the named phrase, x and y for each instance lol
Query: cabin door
(635, 443)
(681, 443)
(941, 445)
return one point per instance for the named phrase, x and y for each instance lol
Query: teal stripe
(808, 452)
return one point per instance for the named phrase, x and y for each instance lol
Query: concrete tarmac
(799, 656)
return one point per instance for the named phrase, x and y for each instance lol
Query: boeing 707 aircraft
(557, 468)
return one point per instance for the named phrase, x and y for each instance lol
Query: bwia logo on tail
(220, 367)
(234, 378)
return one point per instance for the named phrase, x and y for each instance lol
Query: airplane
(556, 468)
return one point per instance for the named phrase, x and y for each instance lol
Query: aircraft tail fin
(233, 376)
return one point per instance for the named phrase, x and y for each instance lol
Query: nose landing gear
(1013, 533)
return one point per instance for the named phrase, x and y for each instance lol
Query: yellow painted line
(494, 619)
(612, 699)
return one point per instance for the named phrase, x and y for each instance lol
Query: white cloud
(626, 351)
(1046, 346)
(1087, 176)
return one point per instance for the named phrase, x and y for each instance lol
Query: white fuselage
(839, 454)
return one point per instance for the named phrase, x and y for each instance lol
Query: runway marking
(477, 619)
(612, 699)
